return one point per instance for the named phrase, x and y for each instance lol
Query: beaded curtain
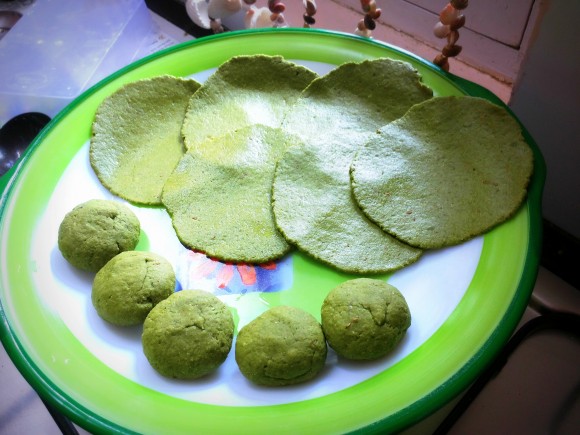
(208, 14)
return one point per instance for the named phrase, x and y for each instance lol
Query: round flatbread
(219, 196)
(449, 170)
(312, 201)
(136, 140)
(243, 91)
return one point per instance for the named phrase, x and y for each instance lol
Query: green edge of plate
(509, 311)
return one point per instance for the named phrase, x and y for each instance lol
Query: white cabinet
(494, 38)
(503, 21)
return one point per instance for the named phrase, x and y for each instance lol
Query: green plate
(465, 300)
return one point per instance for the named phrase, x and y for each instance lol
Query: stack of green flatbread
(362, 168)
(312, 200)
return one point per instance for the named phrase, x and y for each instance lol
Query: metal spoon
(15, 136)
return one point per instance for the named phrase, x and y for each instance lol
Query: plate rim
(481, 358)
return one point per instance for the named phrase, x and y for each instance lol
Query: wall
(546, 98)
(495, 35)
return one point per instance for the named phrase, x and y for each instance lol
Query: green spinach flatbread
(136, 140)
(449, 170)
(245, 90)
(312, 200)
(219, 196)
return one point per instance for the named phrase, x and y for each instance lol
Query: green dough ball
(282, 346)
(188, 335)
(364, 318)
(95, 231)
(130, 285)
(450, 169)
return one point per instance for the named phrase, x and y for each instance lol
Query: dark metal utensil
(16, 135)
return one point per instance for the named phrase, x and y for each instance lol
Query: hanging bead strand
(451, 19)
(367, 24)
(216, 25)
(250, 10)
(277, 9)
(310, 7)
